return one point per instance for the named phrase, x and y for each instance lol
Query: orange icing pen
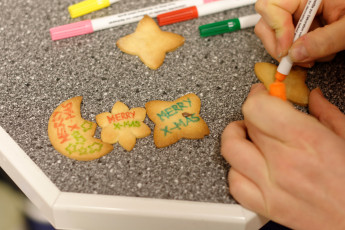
(278, 87)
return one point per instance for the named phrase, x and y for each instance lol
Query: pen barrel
(71, 30)
(86, 7)
(137, 15)
(221, 27)
(302, 28)
(285, 65)
(215, 7)
(307, 18)
(249, 21)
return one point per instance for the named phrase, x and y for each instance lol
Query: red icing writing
(73, 127)
(60, 127)
(68, 110)
(58, 119)
(121, 116)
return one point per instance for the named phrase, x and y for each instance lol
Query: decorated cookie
(72, 136)
(150, 43)
(123, 125)
(176, 119)
(296, 89)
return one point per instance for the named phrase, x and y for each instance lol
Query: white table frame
(66, 210)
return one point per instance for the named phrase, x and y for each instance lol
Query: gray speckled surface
(37, 74)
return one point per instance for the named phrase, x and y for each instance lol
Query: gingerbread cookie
(123, 125)
(150, 43)
(296, 89)
(176, 119)
(72, 136)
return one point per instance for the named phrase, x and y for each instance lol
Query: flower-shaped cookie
(123, 125)
(176, 119)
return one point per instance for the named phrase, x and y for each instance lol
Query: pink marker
(90, 26)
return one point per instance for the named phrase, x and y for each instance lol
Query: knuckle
(261, 5)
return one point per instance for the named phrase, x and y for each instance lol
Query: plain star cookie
(176, 119)
(72, 136)
(123, 125)
(296, 89)
(150, 43)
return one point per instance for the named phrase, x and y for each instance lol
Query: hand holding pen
(322, 43)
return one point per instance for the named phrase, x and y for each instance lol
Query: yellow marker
(88, 6)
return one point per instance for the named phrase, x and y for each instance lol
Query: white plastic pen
(200, 10)
(302, 28)
(90, 26)
(229, 25)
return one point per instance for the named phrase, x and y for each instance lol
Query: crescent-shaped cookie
(72, 136)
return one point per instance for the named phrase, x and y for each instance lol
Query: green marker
(228, 26)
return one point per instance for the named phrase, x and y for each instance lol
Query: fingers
(268, 38)
(241, 153)
(326, 113)
(258, 87)
(246, 192)
(269, 114)
(320, 43)
(277, 15)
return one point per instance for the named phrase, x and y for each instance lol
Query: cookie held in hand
(123, 125)
(296, 89)
(150, 43)
(176, 119)
(72, 136)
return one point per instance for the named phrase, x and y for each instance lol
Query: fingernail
(318, 90)
(298, 53)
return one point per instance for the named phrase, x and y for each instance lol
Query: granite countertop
(37, 74)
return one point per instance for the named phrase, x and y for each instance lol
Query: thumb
(322, 42)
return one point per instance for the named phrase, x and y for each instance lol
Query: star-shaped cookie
(150, 43)
(123, 125)
(296, 89)
(176, 119)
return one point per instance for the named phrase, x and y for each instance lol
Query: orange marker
(278, 87)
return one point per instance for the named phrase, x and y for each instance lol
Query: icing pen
(88, 6)
(90, 26)
(200, 10)
(229, 25)
(278, 87)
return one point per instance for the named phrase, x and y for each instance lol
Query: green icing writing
(87, 125)
(95, 147)
(126, 124)
(183, 122)
(174, 109)
(79, 145)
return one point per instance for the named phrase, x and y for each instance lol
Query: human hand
(287, 165)
(276, 30)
